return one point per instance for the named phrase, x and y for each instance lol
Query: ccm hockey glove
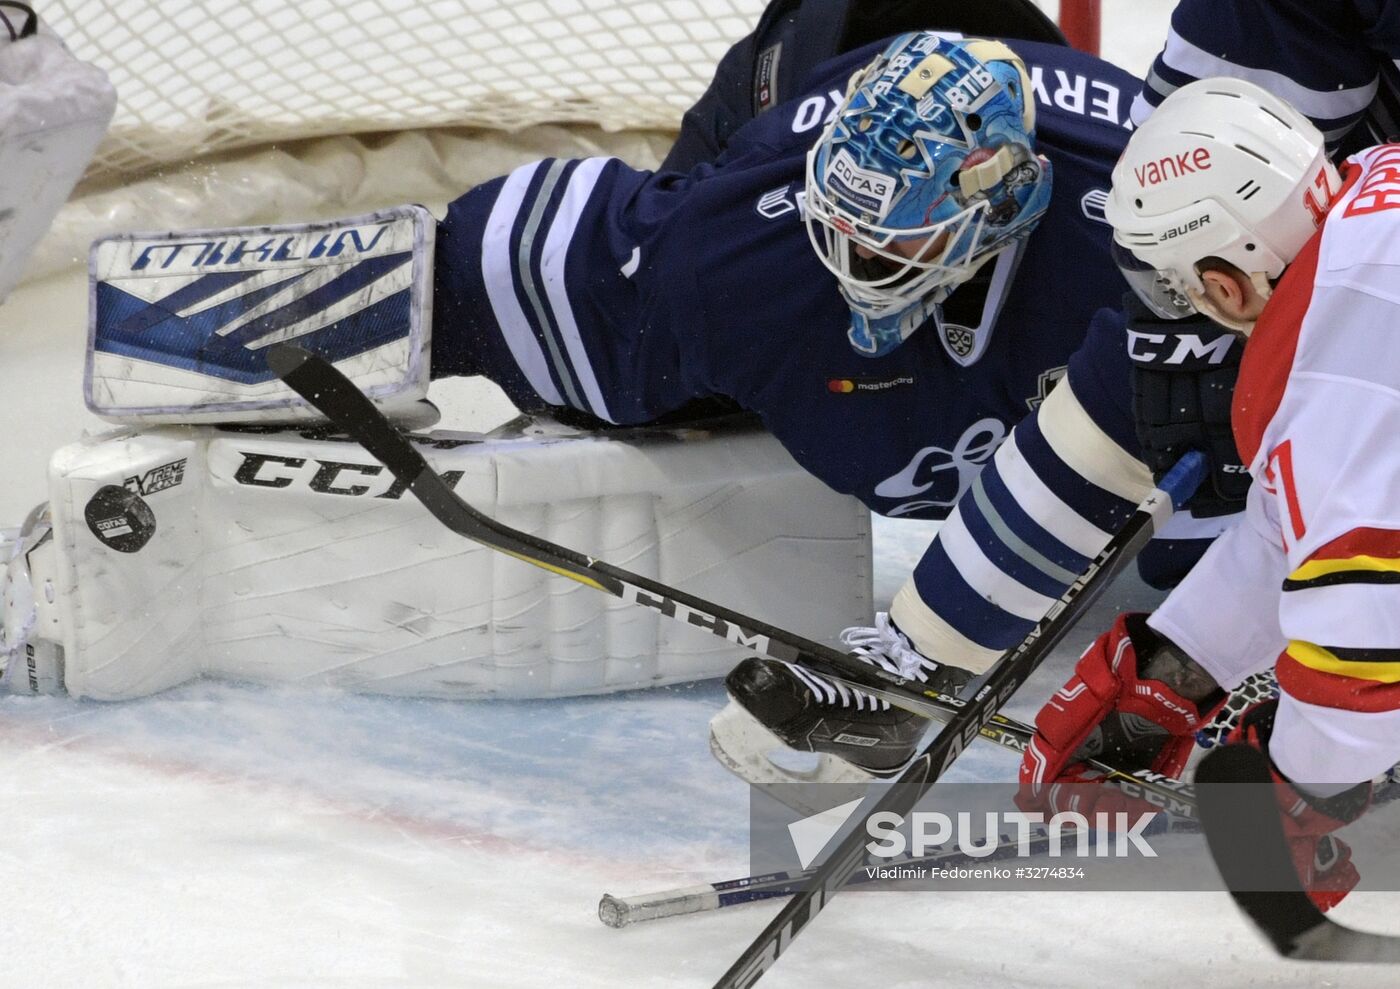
(1184, 374)
(1112, 711)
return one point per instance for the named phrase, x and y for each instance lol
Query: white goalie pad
(179, 321)
(54, 111)
(31, 657)
(283, 557)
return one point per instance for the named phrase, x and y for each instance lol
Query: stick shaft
(340, 401)
(1006, 676)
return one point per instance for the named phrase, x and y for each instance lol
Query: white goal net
(250, 111)
(203, 76)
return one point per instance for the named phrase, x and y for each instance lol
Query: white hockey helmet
(1221, 169)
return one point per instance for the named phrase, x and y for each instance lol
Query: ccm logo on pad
(1172, 167)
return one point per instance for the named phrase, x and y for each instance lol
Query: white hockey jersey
(1311, 577)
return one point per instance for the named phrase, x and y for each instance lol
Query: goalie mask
(926, 171)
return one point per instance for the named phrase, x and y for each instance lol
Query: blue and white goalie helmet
(927, 170)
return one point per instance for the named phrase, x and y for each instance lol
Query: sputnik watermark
(929, 831)
(974, 836)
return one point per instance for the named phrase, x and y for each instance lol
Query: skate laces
(880, 645)
(886, 647)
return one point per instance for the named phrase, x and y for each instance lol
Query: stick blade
(1244, 830)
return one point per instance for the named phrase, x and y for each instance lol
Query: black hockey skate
(810, 716)
(855, 736)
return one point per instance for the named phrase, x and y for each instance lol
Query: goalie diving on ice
(916, 361)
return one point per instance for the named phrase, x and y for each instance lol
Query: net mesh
(195, 78)
(1257, 688)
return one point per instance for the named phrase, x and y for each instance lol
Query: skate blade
(741, 744)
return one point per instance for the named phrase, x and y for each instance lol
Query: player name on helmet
(1172, 167)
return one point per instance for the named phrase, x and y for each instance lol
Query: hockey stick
(324, 387)
(1005, 677)
(620, 911)
(341, 402)
(1244, 830)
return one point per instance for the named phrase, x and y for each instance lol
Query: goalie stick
(346, 407)
(1245, 833)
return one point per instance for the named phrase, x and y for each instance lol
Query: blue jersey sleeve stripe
(1325, 90)
(964, 609)
(1145, 102)
(1162, 81)
(1330, 110)
(990, 581)
(498, 275)
(552, 266)
(543, 202)
(544, 217)
(1156, 85)
(1008, 551)
(1002, 505)
(1101, 508)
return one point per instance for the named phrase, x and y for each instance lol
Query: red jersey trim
(1360, 542)
(1271, 348)
(1343, 693)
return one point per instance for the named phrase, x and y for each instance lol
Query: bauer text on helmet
(926, 171)
(1222, 169)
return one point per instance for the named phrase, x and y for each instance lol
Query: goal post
(1081, 21)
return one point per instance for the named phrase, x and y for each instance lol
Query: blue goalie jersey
(1334, 60)
(626, 295)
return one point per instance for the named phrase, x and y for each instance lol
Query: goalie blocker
(178, 321)
(292, 556)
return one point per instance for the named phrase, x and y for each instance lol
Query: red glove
(1323, 861)
(1107, 711)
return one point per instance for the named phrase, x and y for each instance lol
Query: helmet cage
(928, 176)
(953, 247)
(948, 255)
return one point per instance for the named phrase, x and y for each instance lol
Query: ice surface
(229, 835)
(226, 835)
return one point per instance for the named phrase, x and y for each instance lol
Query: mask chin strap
(1244, 327)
